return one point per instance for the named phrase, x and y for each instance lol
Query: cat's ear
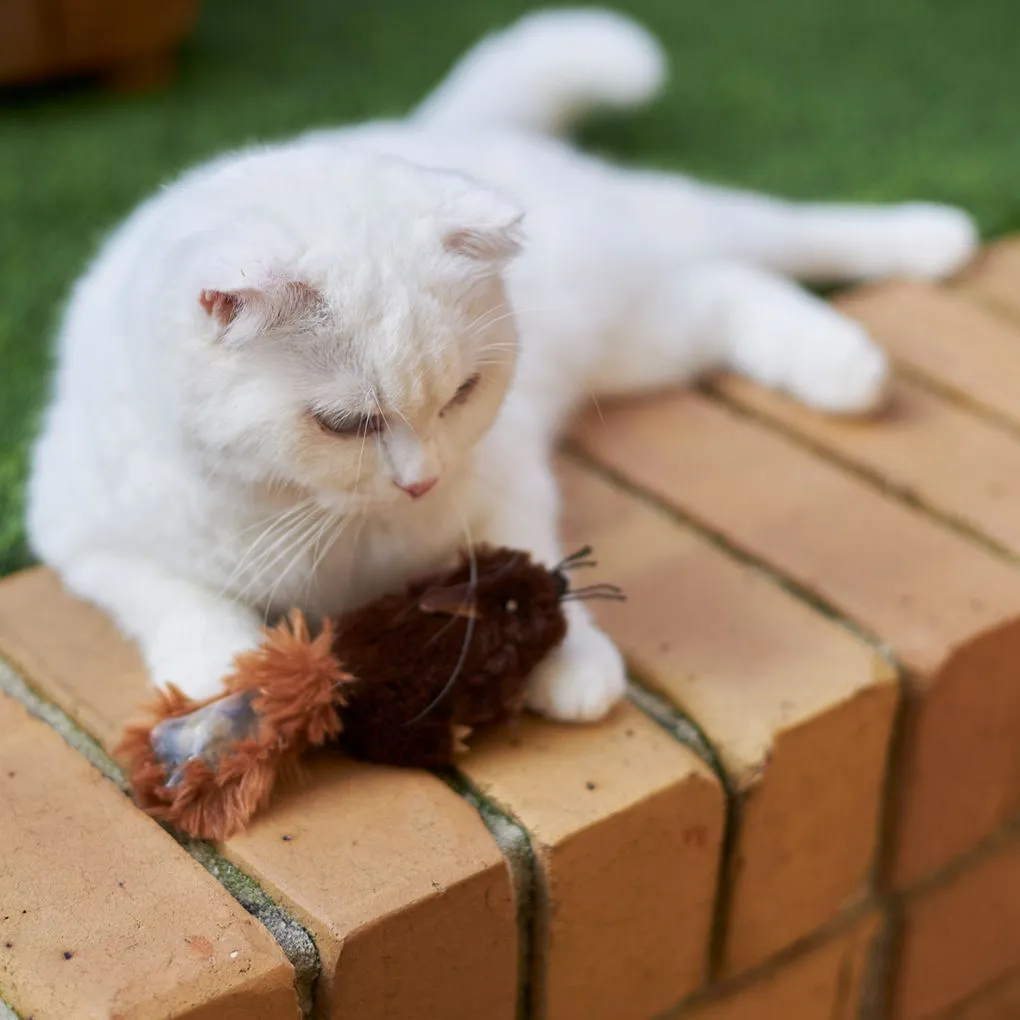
(484, 227)
(241, 312)
(225, 305)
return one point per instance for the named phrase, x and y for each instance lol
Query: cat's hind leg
(722, 315)
(820, 242)
(815, 242)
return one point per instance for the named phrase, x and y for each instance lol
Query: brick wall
(806, 811)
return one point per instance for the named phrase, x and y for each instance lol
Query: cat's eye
(353, 426)
(464, 391)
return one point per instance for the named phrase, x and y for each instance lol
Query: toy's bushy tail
(547, 70)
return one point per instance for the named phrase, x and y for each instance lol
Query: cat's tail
(547, 70)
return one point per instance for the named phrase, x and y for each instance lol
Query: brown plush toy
(402, 681)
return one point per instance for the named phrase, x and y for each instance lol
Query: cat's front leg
(188, 635)
(583, 678)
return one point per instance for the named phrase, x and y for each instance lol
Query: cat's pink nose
(418, 489)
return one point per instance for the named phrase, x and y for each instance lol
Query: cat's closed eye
(354, 426)
(464, 391)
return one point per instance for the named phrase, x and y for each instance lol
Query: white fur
(180, 481)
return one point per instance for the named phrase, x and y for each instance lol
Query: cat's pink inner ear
(222, 305)
(278, 301)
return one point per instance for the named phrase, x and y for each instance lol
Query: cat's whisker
(469, 630)
(318, 555)
(282, 529)
(404, 419)
(297, 550)
(272, 522)
(361, 454)
(295, 537)
(495, 310)
(508, 314)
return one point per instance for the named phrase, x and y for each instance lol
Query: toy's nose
(418, 489)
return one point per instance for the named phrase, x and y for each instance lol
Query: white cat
(302, 373)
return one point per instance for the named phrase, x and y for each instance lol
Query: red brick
(948, 609)
(799, 710)
(103, 914)
(960, 936)
(925, 446)
(828, 981)
(626, 826)
(402, 886)
(994, 280)
(1000, 1002)
(946, 339)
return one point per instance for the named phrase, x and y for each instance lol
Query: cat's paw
(810, 351)
(928, 241)
(581, 680)
(197, 663)
(842, 372)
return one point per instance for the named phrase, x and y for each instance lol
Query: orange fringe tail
(299, 686)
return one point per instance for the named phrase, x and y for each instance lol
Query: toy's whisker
(608, 592)
(469, 632)
(567, 562)
(601, 586)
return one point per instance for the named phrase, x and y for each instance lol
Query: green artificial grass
(875, 99)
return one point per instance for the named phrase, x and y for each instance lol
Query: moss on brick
(515, 845)
(8, 1012)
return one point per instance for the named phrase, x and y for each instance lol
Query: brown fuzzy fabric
(403, 681)
(413, 704)
(297, 687)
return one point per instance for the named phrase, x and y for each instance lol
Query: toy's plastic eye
(510, 605)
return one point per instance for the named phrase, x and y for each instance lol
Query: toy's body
(403, 681)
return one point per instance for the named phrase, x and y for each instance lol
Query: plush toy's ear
(456, 600)
(241, 312)
(484, 227)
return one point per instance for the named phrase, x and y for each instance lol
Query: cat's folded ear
(242, 312)
(484, 227)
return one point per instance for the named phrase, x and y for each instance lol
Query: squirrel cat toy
(403, 681)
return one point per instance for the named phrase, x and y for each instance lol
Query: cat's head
(348, 330)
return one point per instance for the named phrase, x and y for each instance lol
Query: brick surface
(1001, 1002)
(404, 889)
(994, 278)
(828, 981)
(924, 446)
(947, 608)
(626, 826)
(945, 338)
(799, 710)
(102, 914)
(960, 936)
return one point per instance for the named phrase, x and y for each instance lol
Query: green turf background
(870, 99)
